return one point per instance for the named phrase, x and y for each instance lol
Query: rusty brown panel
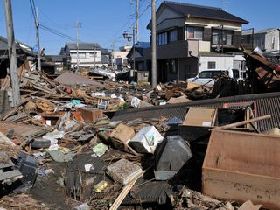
(21, 129)
(243, 166)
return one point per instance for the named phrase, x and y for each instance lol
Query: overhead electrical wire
(56, 32)
(47, 28)
(130, 25)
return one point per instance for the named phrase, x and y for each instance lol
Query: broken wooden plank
(122, 195)
(237, 124)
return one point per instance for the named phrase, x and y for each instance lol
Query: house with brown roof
(187, 32)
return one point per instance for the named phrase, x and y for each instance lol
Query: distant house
(267, 40)
(90, 54)
(187, 33)
(140, 49)
(24, 54)
(119, 58)
(58, 61)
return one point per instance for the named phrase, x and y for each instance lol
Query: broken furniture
(241, 166)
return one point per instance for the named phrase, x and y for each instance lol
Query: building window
(173, 35)
(82, 55)
(92, 54)
(195, 32)
(162, 38)
(222, 37)
(173, 67)
(211, 65)
(273, 43)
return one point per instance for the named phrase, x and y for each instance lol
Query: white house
(222, 61)
(119, 58)
(90, 54)
(268, 40)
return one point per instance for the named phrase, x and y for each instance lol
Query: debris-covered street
(153, 126)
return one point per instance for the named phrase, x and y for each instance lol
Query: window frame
(193, 30)
(211, 62)
(162, 38)
(173, 35)
(222, 36)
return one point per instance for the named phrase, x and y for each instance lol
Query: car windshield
(210, 74)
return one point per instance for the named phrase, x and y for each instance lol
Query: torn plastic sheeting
(172, 156)
(74, 104)
(146, 140)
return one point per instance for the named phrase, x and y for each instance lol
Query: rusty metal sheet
(243, 166)
(21, 129)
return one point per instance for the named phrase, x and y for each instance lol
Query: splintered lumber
(236, 124)
(122, 195)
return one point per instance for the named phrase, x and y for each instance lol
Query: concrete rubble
(78, 143)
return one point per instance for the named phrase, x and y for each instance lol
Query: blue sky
(103, 21)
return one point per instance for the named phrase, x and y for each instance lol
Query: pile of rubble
(65, 147)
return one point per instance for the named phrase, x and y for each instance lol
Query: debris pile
(65, 147)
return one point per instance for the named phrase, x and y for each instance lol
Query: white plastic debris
(98, 94)
(146, 140)
(88, 167)
(53, 138)
(135, 102)
(83, 206)
(55, 134)
(113, 96)
(37, 117)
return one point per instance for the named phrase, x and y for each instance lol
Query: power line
(33, 9)
(56, 32)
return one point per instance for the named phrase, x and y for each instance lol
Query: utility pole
(137, 21)
(38, 39)
(78, 26)
(253, 38)
(94, 53)
(12, 53)
(154, 44)
(113, 54)
(134, 48)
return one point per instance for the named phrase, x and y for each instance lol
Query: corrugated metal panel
(268, 106)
